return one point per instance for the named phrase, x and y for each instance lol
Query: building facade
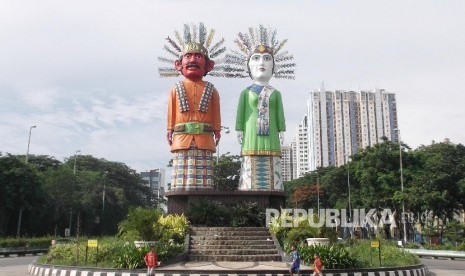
(286, 163)
(340, 123)
(155, 180)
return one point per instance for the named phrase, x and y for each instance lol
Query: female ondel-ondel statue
(193, 116)
(260, 122)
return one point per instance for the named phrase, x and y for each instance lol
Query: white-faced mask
(261, 68)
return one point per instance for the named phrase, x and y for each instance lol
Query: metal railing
(437, 253)
(22, 251)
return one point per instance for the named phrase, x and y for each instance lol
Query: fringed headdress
(194, 40)
(258, 40)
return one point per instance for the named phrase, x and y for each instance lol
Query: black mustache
(192, 65)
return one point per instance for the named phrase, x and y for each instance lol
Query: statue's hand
(281, 137)
(240, 136)
(217, 137)
(169, 137)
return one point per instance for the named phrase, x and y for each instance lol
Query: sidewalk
(229, 266)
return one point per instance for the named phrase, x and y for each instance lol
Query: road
(17, 266)
(447, 267)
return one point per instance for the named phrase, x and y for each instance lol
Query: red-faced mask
(194, 64)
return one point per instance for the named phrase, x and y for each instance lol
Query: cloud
(86, 72)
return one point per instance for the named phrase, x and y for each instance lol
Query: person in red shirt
(151, 261)
(318, 266)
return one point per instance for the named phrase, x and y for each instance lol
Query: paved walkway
(236, 266)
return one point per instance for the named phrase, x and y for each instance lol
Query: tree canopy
(53, 195)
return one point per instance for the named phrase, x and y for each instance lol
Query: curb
(45, 270)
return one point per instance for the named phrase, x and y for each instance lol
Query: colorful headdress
(259, 40)
(194, 40)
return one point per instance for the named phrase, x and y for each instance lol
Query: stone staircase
(233, 244)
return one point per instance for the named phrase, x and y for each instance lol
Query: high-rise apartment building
(339, 124)
(342, 122)
(286, 164)
(301, 149)
(155, 180)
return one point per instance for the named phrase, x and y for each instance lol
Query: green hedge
(25, 242)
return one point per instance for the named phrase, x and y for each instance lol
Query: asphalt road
(17, 266)
(445, 266)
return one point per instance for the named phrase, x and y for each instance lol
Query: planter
(140, 244)
(317, 241)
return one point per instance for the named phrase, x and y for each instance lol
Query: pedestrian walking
(317, 266)
(295, 266)
(151, 261)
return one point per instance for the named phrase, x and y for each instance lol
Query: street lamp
(75, 159)
(226, 130)
(21, 209)
(348, 187)
(103, 192)
(29, 142)
(402, 185)
(74, 172)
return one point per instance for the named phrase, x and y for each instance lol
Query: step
(260, 246)
(243, 251)
(240, 238)
(236, 229)
(228, 230)
(231, 233)
(232, 258)
(234, 244)
(231, 242)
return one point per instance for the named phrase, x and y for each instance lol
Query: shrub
(112, 253)
(173, 227)
(129, 256)
(333, 256)
(208, 213)
(303, 230)
(276, 226)
(391, 255)
(248, 214)
(139, 223)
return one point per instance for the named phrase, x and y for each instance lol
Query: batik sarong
(261, 173)
(192, 169)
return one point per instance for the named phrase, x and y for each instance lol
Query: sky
(85, 72)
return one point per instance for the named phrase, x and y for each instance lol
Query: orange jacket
(194, 92)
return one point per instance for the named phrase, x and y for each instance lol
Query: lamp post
(402, 186)
(74, 172)
(75, 159)
(21, 209)
(29, 142)
(226, 130)
(348, 187)
(318, 193)
(103, 192)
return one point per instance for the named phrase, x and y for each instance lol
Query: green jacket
(246, 121)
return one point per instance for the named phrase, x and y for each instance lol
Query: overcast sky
(85, 72)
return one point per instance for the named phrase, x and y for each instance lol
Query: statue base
(179, 200)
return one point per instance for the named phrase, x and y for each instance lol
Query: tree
(226, 175)
(123, 188)
(59, 186)
(377, 171)
(438, 184)
(20, 190)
